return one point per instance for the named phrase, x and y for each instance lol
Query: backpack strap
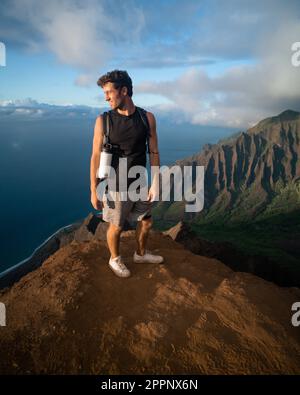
(144, 118)
(106, 127)
(115, 148)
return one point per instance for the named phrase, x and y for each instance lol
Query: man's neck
(127, 109)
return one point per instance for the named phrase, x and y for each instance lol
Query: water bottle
(105, 162)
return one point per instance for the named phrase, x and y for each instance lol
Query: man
(130, 134)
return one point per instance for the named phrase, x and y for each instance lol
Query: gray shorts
(117, 212)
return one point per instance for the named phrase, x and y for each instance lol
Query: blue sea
(44, 168)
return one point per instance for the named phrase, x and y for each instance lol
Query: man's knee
(115, 229)
(147, 223)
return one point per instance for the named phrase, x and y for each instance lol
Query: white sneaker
(118, 267)
(147, 258)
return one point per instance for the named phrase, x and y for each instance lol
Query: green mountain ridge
(249, 173)
(251, 178)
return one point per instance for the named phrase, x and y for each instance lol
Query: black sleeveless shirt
(130, 133)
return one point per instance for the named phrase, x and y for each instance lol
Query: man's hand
(153, 194)
(97, 204)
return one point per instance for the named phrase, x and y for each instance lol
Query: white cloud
(31, 109)
(79, 33)
(241, 95)
(91, 35)
(28, 102)
(85, 80)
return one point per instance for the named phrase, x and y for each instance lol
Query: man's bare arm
(95, 159)
(154, 158)
(153, 141)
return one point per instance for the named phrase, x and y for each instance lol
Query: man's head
(117, 87)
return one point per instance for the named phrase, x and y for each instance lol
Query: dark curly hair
(119, 78)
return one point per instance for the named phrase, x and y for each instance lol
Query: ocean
(44, 169)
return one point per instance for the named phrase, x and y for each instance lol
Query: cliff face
(190, 315)
(254, 173)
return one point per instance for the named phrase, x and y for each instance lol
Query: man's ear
(124, 90)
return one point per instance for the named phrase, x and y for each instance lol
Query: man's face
(113, 96)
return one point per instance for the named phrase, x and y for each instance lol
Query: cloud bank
(93, 36)
(30, 109)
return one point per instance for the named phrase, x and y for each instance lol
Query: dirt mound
(190, 315)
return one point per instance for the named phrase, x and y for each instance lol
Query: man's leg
(142, 213)
(113, 240)
(142, 232)
(114, 212)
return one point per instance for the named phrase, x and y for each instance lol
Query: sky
(206, 62)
